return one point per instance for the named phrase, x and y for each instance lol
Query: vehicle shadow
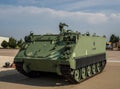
(12, 76)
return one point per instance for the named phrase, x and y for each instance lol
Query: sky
(19, 17)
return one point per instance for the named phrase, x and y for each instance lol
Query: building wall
(3, 38)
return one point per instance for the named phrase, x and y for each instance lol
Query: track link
(66, 72)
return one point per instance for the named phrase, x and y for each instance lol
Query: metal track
(66, 72)
(32, 74)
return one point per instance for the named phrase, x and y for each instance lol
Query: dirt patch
(113, 55)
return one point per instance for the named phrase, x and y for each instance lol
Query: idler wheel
(103, 64)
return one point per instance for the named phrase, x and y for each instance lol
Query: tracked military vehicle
(75, 56)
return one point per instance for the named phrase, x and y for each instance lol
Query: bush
(20, 43)
(4, 44)
(114, 38)
(12, 42)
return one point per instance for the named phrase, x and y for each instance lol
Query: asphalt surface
(108, 79)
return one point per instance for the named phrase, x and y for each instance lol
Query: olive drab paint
(73, 55)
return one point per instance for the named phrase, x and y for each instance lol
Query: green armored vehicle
(73, 55)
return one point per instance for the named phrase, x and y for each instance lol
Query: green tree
(12, 42)
(114, 38)
(4, 44)
(20, 43)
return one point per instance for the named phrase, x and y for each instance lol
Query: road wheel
(93, 69)
(89, 71)
(83, 73)
(77, 75)
(98, 67)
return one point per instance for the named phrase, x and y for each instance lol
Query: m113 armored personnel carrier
(75, 56)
